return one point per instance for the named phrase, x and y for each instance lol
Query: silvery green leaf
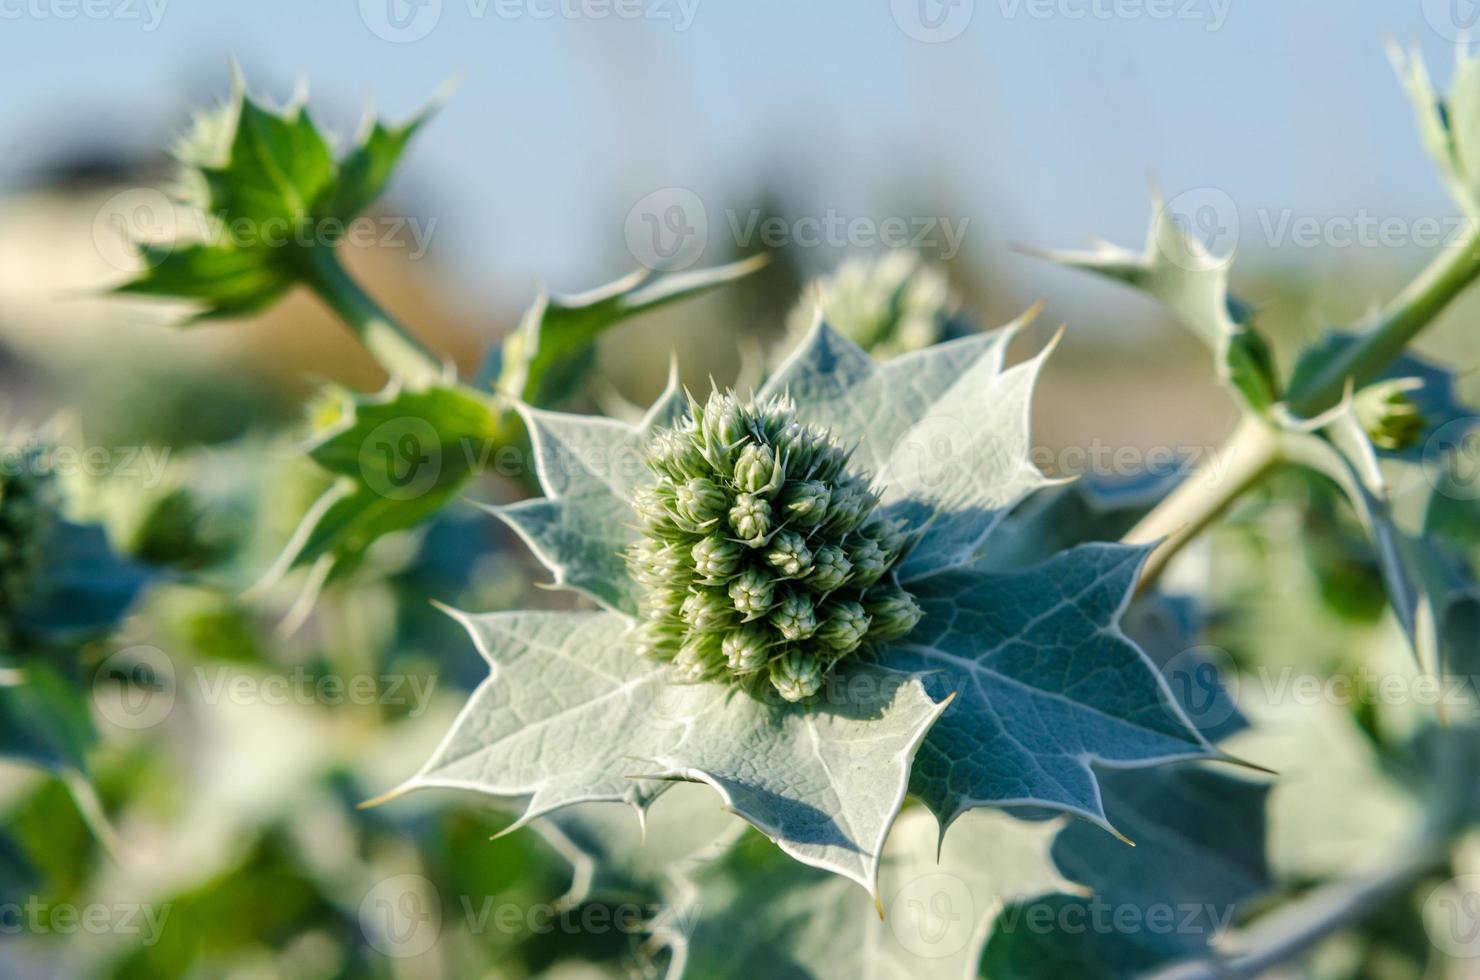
(589, 467)
(542, 362)
(1046, 684)
(754, 913)
(944, 431)
(1199, 858)
(573, 714)
(1177, 270)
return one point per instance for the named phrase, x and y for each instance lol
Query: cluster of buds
(1389, 415)
(26, 512)
(762, 554)
(887, 306)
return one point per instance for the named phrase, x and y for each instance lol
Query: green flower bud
(796, 676)
(850, 504)
(1389, 416)
(870, 561)
(750, 593)
(715, 559)
(805, 504)
(699, 501)
(783, 489)
(722, 425)
(757, 472)
(894, 612)
(795, 618)
(705, 610)
(698, 659)
(658, 639)
(843, 627)
(747, 649)
(750, 518)
(830, 568)
(789, 554)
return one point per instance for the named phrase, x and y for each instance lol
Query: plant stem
(1250, 453)
(1399, 322)
(1319, 914)
(401, 354)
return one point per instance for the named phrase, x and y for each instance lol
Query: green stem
(1250, 453)
(1399, 322)
(401, 354)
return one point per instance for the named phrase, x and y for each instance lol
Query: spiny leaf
(1176, 269)
(263, 186)
(1046, 684)
(542, 361)
(572, 714)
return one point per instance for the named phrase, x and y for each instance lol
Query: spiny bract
(762, 554)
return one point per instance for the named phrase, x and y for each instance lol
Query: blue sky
(1040, 121)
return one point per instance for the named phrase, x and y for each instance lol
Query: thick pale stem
(1400, 321)
(1242, 461)
(1300, 926)
(401, 354)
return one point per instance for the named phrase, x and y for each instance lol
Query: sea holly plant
(812, 642)
(845, 605)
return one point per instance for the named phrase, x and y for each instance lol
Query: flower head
(762, 553)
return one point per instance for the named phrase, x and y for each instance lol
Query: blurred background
(579, 138)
